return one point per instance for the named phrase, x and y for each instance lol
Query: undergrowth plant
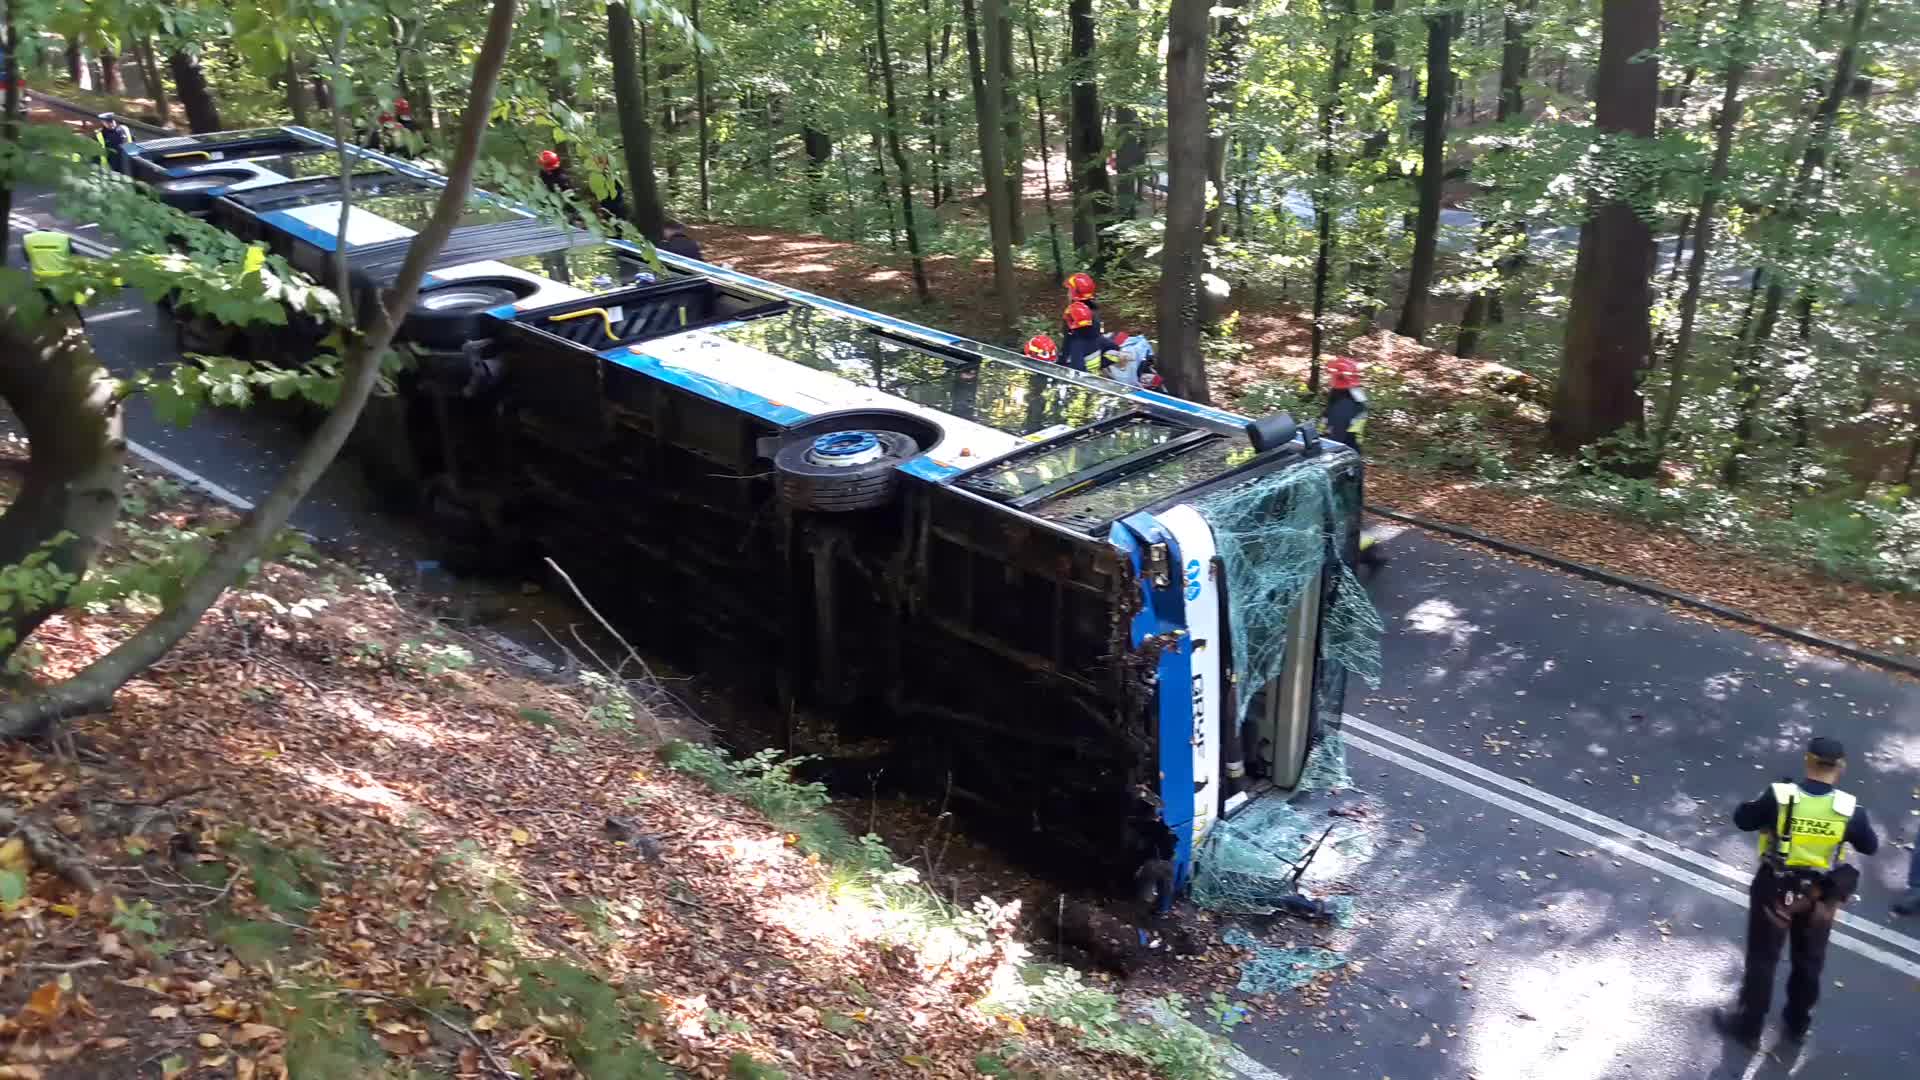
(864, 870)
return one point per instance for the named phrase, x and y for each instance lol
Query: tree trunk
(1223, 80)
(1013, 149)
(1484, 305)
(76, 62)
(1608, 337)
(701, 103)
(156, 87)
(1086, 144)
(94, 687)
(1330, 108)
(993, 166)
(1806, 186)
(1433, 173)
(10, 109)
(1384, 67)
(819, 147)
(636, 134)
(899, 155)
(110, 80)
(1182, 305)
(1515, 54)
(202, 114)
(296, 90)
(931, 117)
(879, 169)
(68, 409)
(1725, 125)
(1046, 156)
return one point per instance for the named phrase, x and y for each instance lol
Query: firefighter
(1041, 347)
(675, 238)
(1346, 421)
(1080, 290)
(1803, 878)
(403, 114)
(1084, 339)
(554, 174)
(112, 136)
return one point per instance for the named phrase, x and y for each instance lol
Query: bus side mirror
(1271, 431)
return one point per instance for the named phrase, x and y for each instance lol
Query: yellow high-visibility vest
(1817, 836)
(49, 254)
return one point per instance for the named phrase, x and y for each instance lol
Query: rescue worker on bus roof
(675, 238)
(1796, 894)
(1346, 421)
(1084, 339)
(1080, 290)
(112, 136)
(552, 173)
(1041, 347)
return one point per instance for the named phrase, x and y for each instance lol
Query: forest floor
(328, 831)
(1414, 387)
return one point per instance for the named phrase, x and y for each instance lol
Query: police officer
(1805, 829)
(50, 256)
(112, 136)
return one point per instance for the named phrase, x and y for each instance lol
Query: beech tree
(1182, 301)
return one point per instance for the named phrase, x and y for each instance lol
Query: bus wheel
(197, 333)
(842, 471)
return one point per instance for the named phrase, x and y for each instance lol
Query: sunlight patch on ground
(1438, 615)
(1569, 1016)
(1900, 750)
(340, 783)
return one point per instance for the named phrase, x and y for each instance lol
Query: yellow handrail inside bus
(189, 153)
(606, 321)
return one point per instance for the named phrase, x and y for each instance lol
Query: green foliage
(286, 880)
(139, 918)
(326, 1036)
(253, 941)
(743, 1066)
(599, 1021)
(1166, 1040)
(33, 584)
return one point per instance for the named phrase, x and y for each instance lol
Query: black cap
(1827, 750)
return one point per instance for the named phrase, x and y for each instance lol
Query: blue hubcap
(845, 444)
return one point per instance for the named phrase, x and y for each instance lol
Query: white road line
(192, 478)
(1640, 837)
(1613, 845)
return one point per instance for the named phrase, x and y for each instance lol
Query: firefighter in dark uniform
(1346, 421)
(1805, 829)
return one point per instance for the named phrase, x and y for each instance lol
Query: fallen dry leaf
(251, 1033)
(207, 1040)
(164, 1012)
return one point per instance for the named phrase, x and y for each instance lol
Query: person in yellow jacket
(50, 256)
(1805, 829)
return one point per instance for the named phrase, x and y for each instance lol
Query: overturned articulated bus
(1101, 615)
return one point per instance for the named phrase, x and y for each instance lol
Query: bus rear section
(1005, 619)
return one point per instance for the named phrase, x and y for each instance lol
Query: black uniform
(1806, 925)
(1083, 344)
(112, 137)
(1346, 410)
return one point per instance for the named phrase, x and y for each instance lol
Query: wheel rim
(842, 449)
(456, 298)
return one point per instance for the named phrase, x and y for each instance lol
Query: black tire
(805, 484)
(448, 316)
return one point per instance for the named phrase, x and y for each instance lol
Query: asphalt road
(1554, 889)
